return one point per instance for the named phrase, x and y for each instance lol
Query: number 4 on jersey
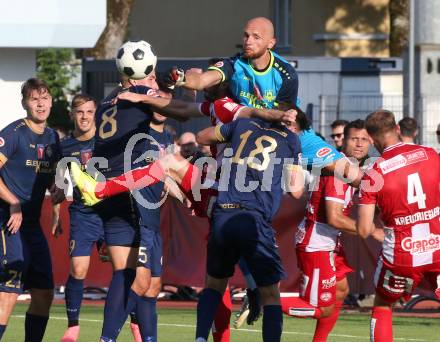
(415, 192)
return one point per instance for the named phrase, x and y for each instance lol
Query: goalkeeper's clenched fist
(175, 77)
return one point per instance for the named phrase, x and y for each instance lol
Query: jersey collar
(272, 59)
(393, 146)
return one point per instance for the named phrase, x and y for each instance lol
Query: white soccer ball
(135, 59)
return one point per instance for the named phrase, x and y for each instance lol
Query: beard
(252, 54)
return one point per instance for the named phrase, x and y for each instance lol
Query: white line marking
(236, 330)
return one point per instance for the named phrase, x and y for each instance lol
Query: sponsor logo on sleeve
(2, 142)
(322, 152)
(219, 64)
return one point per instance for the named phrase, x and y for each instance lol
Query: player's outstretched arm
(344, 170)
(176, 109)
(364, 224)
(193, 80)
(295, 181)
(268, 114)
(209, 136)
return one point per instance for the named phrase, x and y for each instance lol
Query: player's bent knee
(216, 284)
(326, 311)
(270, 295)
(41, 301)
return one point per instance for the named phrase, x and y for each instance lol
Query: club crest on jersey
(2, 142)
(325, 296)
(86, 155)
(322, 152)
(427, 244)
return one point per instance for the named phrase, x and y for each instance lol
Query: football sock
(381, 326)
(146, 315)
(119, 303)
(272, 323)
(74, 296)
(34, 327)
(206, 309)
(298, 307)
(2, 330)
(132, 180)
(250, 282)
(325, 325)
(220, 329)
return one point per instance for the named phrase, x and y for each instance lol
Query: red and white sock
(132, 180)
(381, 325)
(325, 325)
(220, 330)
(298, 307)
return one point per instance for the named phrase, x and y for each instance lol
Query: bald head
(258, 37)
(263, 25)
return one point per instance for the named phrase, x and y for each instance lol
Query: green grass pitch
(179, 325)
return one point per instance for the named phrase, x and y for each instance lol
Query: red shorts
(319, 273)
(394, 282)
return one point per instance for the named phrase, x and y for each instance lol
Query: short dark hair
(379, 122)
(33, 84)
(301, 118)
(80, 99)
(339, 122)
(356, 124)
(408, 127)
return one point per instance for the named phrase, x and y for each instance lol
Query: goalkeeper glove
(174, 78)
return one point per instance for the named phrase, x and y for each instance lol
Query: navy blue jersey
(255, 180)
(260, 88)
(152, 194)
(115, 125)
(83, 151)
(29, 160)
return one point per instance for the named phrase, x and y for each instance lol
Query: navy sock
(272, 323)
(34, 327)
(206, 309)
(2, 331)
(74, 296)
(146, 316)
(118, 303)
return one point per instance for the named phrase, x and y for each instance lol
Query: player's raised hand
(175, 77)
(15, 219)
(57, 228)
(378, 234)
(289, 117)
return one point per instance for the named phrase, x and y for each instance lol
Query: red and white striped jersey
(223, 110)
(404, 183)
(314, 232)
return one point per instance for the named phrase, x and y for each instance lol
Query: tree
(114, 34)
(53, 66)
(399, 26)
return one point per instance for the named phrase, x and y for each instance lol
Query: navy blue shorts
(86, 229)
(150, 251)
(241, 233)
(25, 259)
(120, 221)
